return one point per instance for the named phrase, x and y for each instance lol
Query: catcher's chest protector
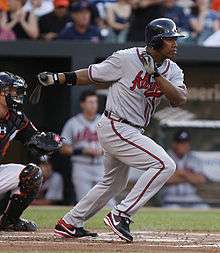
(9, 127)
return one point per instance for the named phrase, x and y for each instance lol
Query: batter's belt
(112, 116)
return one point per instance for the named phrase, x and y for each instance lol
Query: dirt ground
(144, 241)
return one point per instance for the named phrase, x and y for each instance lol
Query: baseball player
(81, 143)
(19, 184)
(138, 79)
(180, 190)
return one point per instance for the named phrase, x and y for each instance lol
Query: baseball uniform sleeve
(68, 133)
(177, 79)
(109, 70)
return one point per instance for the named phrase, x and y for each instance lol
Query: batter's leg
(142, 153)
(113, 182)
(138, 151)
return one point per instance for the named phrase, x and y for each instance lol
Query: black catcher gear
(159, 29)
(14, 87)
(30, 180)
(14, 125)
(44, 143)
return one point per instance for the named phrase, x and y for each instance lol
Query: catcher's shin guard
(30, 182)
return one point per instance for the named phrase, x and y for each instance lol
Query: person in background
(204, 21)
(176, 13)
(143, 12)
(4, 5)
(81, 143)
(180, 190)
(213, 40)
(80, 28)
(39, 7)
(23, 24)
(118, 18)
(215, 5)
(52, 23)
(5, 34)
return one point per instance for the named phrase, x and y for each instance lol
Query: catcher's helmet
(158, 29)
(14, 87)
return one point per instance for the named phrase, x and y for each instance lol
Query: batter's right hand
(46, 78)
(149, 63)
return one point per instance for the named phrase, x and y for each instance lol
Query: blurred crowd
(116, 21)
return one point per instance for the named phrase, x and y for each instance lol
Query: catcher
(19, 184)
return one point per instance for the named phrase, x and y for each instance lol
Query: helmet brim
(173, 35)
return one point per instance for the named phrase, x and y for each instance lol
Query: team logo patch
(151, 88)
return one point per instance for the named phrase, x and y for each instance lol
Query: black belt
(108, 115)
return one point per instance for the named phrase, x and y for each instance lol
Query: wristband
(77, 151)
(56, 79)
(70, 78)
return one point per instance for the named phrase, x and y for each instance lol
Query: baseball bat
(36, 94)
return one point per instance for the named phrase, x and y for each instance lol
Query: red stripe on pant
(149, 153)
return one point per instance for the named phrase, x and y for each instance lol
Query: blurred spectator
(143, 12)
(22, 23)
(39, 7)
(118, 18)
(176, 13)
(81, 143)
(215, 5)
(204, 21)
(181, 190)
(81, 27)
(6, 35)
(4, 5)
(51, 24)
(185, 4)
(213, 40)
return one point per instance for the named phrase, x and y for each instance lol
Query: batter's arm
(173, 94)
(82, 77)
(78, 77)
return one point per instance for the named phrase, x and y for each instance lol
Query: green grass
(145, 219)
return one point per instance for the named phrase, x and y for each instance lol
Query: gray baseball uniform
(134, 96)
(81, 133)
(184, 194)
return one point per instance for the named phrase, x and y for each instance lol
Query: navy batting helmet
(158, 29)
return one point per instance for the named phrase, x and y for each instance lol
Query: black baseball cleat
(119, 225)
(21, 225)
(64, 230)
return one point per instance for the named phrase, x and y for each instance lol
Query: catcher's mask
(14, 89)
(159, 29)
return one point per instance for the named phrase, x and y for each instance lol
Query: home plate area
(157, 241)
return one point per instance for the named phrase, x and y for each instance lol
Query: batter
(138, 79)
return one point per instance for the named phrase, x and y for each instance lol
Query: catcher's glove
(44, 143)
